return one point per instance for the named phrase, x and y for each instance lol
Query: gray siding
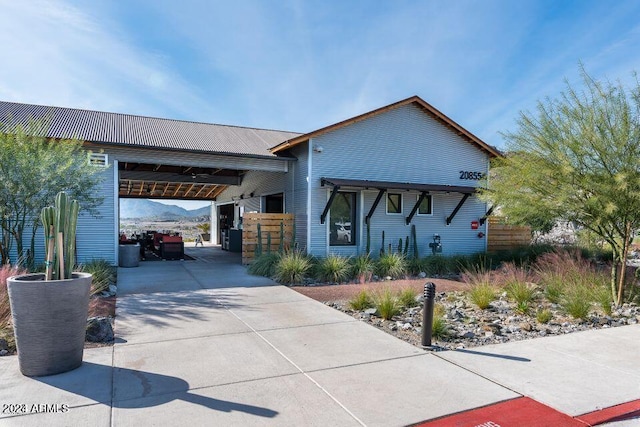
(97, 237)
(298, 204)
(401, 145)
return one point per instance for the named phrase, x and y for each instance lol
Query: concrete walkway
(266, 355)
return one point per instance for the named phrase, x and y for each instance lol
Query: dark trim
(455, 211)
(375, 205)
(388, 185)
(323, 217)
(423, 195)
(487, 215)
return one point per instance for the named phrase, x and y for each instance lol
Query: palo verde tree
(577, 159)
(33, 169)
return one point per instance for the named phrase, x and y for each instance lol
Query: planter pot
(206, 237)
(49, 320)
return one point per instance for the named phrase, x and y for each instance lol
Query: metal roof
(127, 129)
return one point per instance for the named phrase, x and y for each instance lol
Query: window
(343, 220)
(274, 203)
(394, 203)
(425, 207)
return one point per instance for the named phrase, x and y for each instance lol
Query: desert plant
(362, 267)
(406, 247)
(602, 296)
(387, 304)
(268, 242)
(334, 268)
(361, 301)
(482, 294)
(368, 237)
(292, 267)
(104, 274)
(382, 245)
(407, 298)
(577, 301)
(60, 236)
(416, 266)
(258, 251)
(281, 244)
(400, 245)
(544, 316)
(482, 291)
(436, 265)
(439, 328)
(522, 307)
(391, 264)
(264, 265)
(516, 284)
(414, 240)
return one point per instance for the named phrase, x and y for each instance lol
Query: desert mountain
(142, 208)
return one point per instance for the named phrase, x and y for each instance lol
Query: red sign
(475, 225)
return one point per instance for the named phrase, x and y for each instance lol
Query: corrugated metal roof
(127, 129)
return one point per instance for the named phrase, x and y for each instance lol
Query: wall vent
(99, 159)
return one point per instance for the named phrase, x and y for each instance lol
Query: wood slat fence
(503, 237)
(269, 225)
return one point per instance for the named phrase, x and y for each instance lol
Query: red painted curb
(625, 411)
(519, 412)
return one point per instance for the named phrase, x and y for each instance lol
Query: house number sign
(468, 175)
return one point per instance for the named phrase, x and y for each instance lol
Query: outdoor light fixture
(318, 148)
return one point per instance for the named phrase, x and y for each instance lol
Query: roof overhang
(389, 185)
(428, 108)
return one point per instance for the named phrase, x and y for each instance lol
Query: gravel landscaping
(467, 325)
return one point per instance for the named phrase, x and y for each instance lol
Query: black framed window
(343, 219)
(274, 203)
(394, 203)
(426, 207)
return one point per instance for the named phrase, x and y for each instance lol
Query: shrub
(436, 265)
(482, 295)
(6, 271)
(104, 274)
(553, 290)
(577, 302)
(516, 282)
(386, 304)
(439, 328)
(391, 264)
(334, 268)
(292, 267)
(544, 316)
(482, 291)
(407, 298)
(362, 267)
(602, 296)
(362, 301)
(416, 266)
(264, 265)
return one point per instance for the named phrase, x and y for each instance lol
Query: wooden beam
(166, 187)
(200, 191)
(141, 188)
(213, 188)
(177, 189)
(153, 189)
(186, 193)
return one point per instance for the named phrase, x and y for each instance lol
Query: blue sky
(301, 65)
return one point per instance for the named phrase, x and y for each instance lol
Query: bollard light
(427, 313)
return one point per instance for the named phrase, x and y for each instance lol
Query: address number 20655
(471, 175)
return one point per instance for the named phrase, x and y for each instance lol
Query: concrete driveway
(209, 354)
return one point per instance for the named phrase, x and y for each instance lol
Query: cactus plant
(259, 243)
(382, 246)
(400, 245)
(406, 246)
(268, 242)
(60, 223)
(415, 241)
(368, 237)
(281, 245)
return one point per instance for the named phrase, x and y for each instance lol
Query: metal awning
(383, 186)
(389, 185)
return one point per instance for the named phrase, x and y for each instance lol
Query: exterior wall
(401, 145)
(298, 182)
(96, 238)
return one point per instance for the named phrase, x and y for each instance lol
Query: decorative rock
(388, 278)
(99, 329)
(468, 335)
(406, 326)
(113, 289)
(422, 275)
(526, 326)
(4, 352)
(371, 311)
(4, 345)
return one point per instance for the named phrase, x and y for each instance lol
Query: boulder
(99, 329)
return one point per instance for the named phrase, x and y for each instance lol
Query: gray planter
(49, 320)
(129, 255)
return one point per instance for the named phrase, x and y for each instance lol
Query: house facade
(402, 165)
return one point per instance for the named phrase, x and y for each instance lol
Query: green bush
(481, 295)
(436, 265)
(553, 290)
(362, 267)
(577, 301)
(407, 298)
(416, 266)
(292, 267)
(439, 328)
(602, 296)
(391, 264)
(104, 274)
(386, 304)
(544, 316)
(334, 268)
(264, 265)
(362, 301)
